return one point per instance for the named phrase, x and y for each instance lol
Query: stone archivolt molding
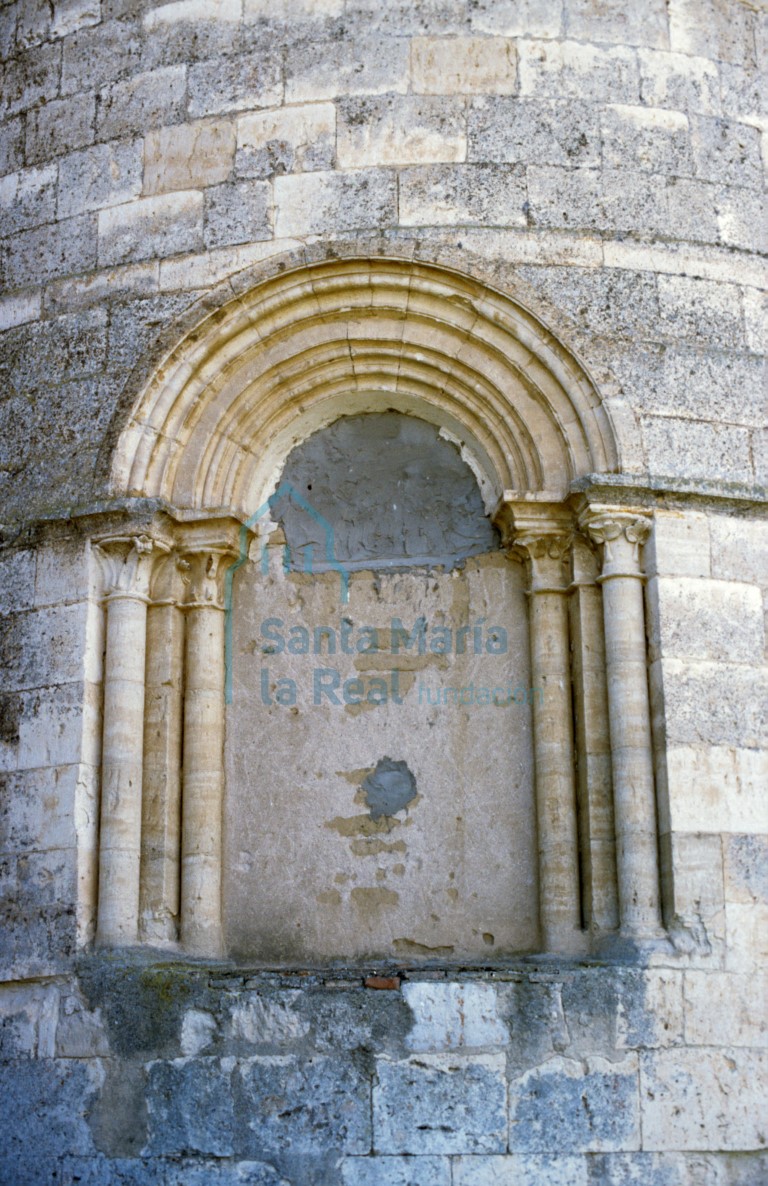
(214, 425)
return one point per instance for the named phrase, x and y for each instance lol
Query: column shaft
(121, 771)
(161, 813)
(632, 755)
(593, 749)
(621, 534)
(201, 920)
(555, 791)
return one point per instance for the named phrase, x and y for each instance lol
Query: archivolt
(215, 423)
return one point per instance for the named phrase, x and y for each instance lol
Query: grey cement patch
(389, 788)
(381, 489)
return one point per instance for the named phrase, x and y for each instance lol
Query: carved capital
(205, 576)
(547, 554)
(540, 533)
(168, 584)
(621, 533)
(127, 564)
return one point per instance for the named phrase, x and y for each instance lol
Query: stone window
(257, 800)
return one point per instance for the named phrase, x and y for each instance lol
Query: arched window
(341, 474)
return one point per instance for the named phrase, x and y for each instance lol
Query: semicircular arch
(215, 422)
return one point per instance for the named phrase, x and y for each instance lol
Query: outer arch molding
(215, 422)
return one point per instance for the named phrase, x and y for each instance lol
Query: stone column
(163, 712)
(203, 768)
(621, 534)
(542, 535)
(597, 838)
(127, 564)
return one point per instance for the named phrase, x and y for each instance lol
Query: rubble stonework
(540, 226)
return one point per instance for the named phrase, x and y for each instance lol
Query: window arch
(206, 443)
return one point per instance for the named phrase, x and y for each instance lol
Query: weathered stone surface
(704, 619)
(457, 194)
(400, 130)
(685, 380)
(746, 868)
(142, 102)
(106, 175)
(27, 199)
(542, 1169)
(678, 447)
(563, 1106)
(712, 29)
(646, 138)
(730, 789)
(45, 1101)
(364, 198)
(679, 82)
(568, 69)
(396, 1171)
(190, 1107)
(60, 126)
(30, 78)
(169, 223)
(189, 156)
(317, 70)
(237, 213)
(726, 152)
(454, 1016)
(440, 1103)
(234, 84)
(530, 132)
(517, 18)
(300, 1106)
(725, 1010)
(679, 545)
(11, 145)
(613, 22)
(28, 1016)
(739, 549)
(711, 1090)
(267, 1021)
(291, 140)
(622, 202)
(95, 57)
(49, 251)
(464, 65)
(700, 311)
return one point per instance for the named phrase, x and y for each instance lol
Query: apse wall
(601, 164)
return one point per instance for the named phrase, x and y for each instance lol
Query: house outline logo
(284, 491)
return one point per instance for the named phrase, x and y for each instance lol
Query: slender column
(593, 743)
(127, 564)
(541, 533)
(621, 533)
(201, 833)
(161, 799)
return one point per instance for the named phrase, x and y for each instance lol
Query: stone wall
(601, 162)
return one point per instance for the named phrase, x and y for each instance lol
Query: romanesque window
(365, 488)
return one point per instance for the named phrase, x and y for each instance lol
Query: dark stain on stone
(389, 788)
